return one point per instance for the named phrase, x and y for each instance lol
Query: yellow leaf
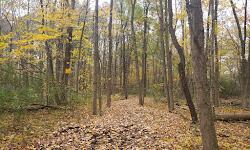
(67, 70)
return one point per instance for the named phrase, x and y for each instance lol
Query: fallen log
(232, 117)
(35, 107)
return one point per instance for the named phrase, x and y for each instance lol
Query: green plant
(229, 87)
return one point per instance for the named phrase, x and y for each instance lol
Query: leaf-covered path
(124, 125)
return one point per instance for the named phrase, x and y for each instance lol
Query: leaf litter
(126, 125)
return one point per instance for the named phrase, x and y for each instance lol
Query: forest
(124, 74)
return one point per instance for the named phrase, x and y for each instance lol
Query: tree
(243, 65)
(96, 61)
(181, 66)
(109, 91)
(67, 58)
(144, 53)
(216, 69)
(163, 51)
(133, 2)
(212, 73)
(196, 29)
(169, 61)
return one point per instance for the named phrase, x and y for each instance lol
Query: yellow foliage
(27, 47)
(67, 70)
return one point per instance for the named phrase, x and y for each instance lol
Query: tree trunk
(207, 51)
(169, 62)
(212, 80)
(96, 61)
(163, 52)
(144, 53)
(232, 117)
(181, 66)
(248, 72)
(104, 63)
(208, 134)
(67, 59)
(124, 64)
(109, 92)
(216, 69)
(133, 2)
(99, 85)
(59, 58)
(115, 65)
(243, 67)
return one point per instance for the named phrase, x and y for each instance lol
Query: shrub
(229, 87)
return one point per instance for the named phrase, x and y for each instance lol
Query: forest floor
(125, 125)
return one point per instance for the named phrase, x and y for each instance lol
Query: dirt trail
(125, 125)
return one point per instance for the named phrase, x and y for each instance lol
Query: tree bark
(232, 117)
(195, 18)
(124, 68)
(99, 85)
(96, 61)
(163, 51)
(115, 64)
(144, 53)
(207, 51)
(212, 80)
(109, 91)
(248, 71)
(169, 62)
(216, 69)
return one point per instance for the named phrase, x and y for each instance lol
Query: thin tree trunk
(104, 63)
(99, 85)
(96, 61)
(133, 2)
(207, 51)
(144, 58)
(154, 70)
(120, 64)
(128, 54)
(216, 70)
(124, 65)
(248, 71)
(109, 92)
(169, 62)
(115, 64)
(181, 66)
(212, 84)
(163, 52)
